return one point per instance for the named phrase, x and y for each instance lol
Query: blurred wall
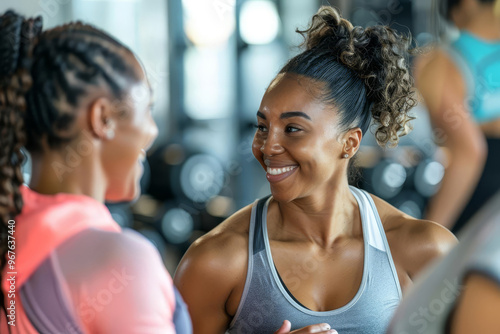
(139, 24)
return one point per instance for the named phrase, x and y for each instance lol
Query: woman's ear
(352, 141)
(101, 120)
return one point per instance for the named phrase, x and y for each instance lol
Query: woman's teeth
(277, 171)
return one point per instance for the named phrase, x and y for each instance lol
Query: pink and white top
(76, 271)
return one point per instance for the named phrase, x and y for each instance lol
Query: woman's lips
(278, 174)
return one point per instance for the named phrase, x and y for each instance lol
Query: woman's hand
(318, 328)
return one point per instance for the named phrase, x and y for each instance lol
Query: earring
(345, 156)
(110, 134)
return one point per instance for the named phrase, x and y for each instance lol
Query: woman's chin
(129, 190)
(133, 193)
(126, 194)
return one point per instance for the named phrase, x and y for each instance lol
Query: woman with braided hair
(317, 252)
(79, 102)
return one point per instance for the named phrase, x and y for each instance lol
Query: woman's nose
(272, 145)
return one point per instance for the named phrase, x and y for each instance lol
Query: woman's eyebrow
(290, 114)
(287, 114)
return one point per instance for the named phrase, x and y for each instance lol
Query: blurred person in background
(79, 101)
(461, 292)
(318, 252)
(460, 83)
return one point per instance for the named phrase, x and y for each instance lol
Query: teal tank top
(266, 301)
(479, 62)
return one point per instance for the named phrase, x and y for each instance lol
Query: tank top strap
(374, 229)
(255, 245)
(373, 234)
(256, 237)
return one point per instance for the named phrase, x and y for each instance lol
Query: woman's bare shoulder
(414, 242)
(436, 59)
(222, 250)
(231, 235)
(214, 269)
(436, 73)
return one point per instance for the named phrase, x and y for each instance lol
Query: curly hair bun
(380, 57)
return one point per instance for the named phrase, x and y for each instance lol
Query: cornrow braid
(67, 61)
(16, 38)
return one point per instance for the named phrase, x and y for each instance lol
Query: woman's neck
(323, 217)
(53, 173)
(485, 24)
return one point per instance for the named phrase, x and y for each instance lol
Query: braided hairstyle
(364, 71)
(42, 78)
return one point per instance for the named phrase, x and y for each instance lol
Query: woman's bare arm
(477, 309)
(210, 271)
(444, 92)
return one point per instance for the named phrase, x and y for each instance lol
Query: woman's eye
(292, 129)
(260, 127)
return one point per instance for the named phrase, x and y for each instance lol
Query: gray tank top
(266, 302)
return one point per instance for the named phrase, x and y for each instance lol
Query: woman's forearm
(460, 179)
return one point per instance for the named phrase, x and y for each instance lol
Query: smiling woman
(318, 252)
